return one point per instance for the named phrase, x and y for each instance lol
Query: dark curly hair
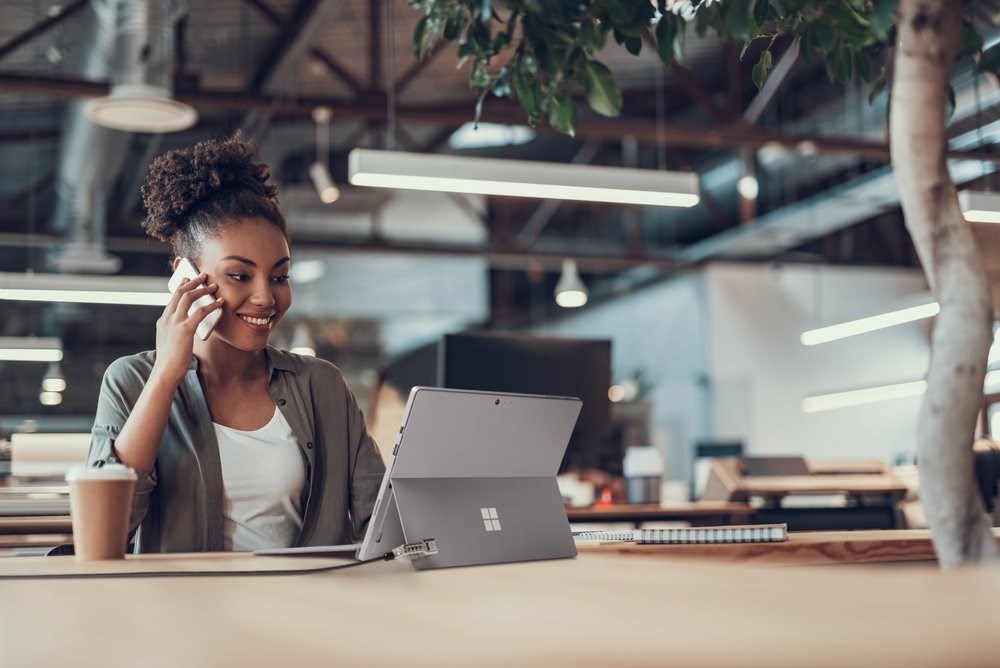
(190, 193)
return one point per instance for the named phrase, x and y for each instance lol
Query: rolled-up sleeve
(120, 389)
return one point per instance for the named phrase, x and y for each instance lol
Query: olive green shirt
(178, 506)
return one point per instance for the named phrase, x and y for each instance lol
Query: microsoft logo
(490, 519)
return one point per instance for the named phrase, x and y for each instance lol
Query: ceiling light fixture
(570, 290)
(54, 380)
(30, 349)
(50, 398)
(140, 108)
(488, 135)
(319, 171)
(302, 341)
(748, 187)
(521, 178)
(843, 330)
(84, 289)
(980, 207)
(826, 402)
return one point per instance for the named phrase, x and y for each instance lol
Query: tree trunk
(928, 33)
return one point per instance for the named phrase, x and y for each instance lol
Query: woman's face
(249, 260)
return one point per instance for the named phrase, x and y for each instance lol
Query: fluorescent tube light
(826, 402)
(521, 178)
(84, 289)
(980, 207)
(30, 349)
(843, 330)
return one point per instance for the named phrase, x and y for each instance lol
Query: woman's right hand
(175, 329)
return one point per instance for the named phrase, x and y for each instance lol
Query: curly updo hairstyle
(191, 193)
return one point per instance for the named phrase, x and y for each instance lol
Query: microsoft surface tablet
(476, 472)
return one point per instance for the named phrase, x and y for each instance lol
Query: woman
(237, 445)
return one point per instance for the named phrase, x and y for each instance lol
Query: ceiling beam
(498, 111)
(375, 45)
(409, 75)
(549, 259)
(59, 14)
(21, 135)
(291, 32)
(547, 208)
(692, 87)
(772, 84)
(269, 12)
(339, 71)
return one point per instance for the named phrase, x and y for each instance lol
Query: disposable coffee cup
(643, 467)
(100, 503)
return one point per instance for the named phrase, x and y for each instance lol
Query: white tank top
(263, 477)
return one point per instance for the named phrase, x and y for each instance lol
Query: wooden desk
(33, 514)
(592, 610)
(697, 514)
(801, 549)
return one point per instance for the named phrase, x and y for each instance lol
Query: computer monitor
(532, 364)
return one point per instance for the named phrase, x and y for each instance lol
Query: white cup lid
(106, 472)
(642, 461)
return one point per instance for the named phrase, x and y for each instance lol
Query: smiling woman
(237, 445)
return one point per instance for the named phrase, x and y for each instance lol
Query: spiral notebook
(748, 533)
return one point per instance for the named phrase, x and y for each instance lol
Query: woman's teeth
(256, 321)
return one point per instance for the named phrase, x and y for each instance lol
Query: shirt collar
(276, 359)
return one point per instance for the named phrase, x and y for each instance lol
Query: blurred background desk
(707, 513)
(801, 549)
(34, 516)
(592, 610)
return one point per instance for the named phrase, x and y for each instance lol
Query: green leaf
(878, 85)
(452, 28)
(602, 94)
(738, 19)
(479, 35)
(465, 49)
(883, 17)
(528, 92)
(480, 76)
(501, 84)
(418, 38)
(589, 36)
(562, 114)
(759, 75)
(634, 45)
(620, 12)
(760, 11)
(759, 72)
(843, 65)
(667, 30)
(862, 66)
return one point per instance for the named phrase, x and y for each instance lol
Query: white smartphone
(186, 270)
